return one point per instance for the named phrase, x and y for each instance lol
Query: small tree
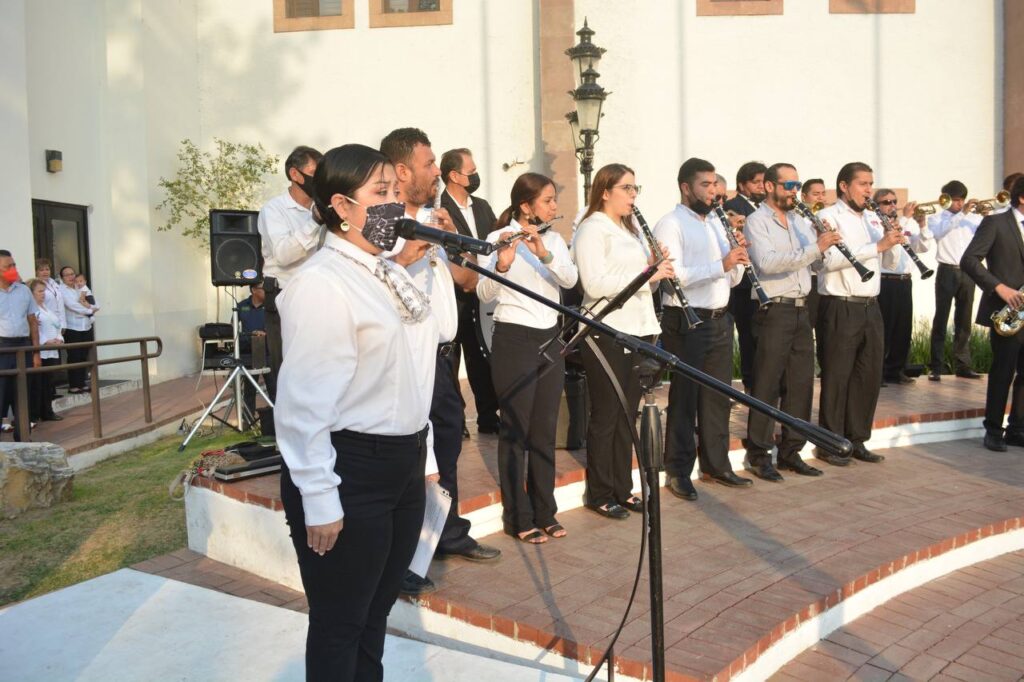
(230, 178)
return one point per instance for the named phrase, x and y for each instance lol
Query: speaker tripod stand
(238, 374)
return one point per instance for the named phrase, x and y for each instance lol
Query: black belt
(862, 300)
(949, 265)
(785, 300)
(711, 313)
(892, 275)
(15, 340)
(445, 349)
(418, 438)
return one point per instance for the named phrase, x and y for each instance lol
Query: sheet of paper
(438, 504)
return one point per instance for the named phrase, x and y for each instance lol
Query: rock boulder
(33, 476)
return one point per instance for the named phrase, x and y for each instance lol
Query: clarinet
(692, 320)
(762, 298)
(926, 271)
(820, 227)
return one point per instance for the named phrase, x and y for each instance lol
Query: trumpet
(512, 238)
(1001, 200)
(1008, 321)
(944, 202)
(815, 207)
(925, 271)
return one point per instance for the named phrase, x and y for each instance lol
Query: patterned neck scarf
(412, 305)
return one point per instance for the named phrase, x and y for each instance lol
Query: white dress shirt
(49, 329)
(77, 317)
(54, 301)
(288, 236)
(608, 257)
(527, 271)
(953, 232)
(921, 241)
(467, 212)
(697, 247)
(349, 363)
(861, 232)
(1019, 217)
(782, 255)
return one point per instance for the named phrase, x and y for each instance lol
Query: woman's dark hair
(525, 190)
(66, 267)
(342, 170)
(848, 172)
(604, 181)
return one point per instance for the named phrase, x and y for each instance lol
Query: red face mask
(11, 275)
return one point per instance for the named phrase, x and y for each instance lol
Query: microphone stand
(650, 450)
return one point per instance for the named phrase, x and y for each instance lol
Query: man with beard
(707, 269)
(850, 324)
(288, 236)
(783, 249)
(417, 174)
(895, 297)
(742, 304)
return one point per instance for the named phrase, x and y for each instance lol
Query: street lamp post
(585, 121)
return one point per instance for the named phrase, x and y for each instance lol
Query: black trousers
(9, 385)
(785, 369)
(77, 377)
(1007, 369)
(352, 588)
(529, 418)
(40, 392)
(851, 337)
(952, 284)
(693, 410)
(896, 301)
(609, 432)
(478, 367)
(446, 418)
(742, 310)
(275, 349)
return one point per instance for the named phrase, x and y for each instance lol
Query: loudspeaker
(235, 257)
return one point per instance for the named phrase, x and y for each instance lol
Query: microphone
(410, 229)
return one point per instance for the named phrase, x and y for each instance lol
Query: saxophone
(1008, 321)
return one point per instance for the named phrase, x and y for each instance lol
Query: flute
(541, 229)
(820, 228)
(926, 271)
(762, 298)
(692, 320)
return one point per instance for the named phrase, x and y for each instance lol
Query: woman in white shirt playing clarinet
(609, 252)
(527, 385)
(351, 416)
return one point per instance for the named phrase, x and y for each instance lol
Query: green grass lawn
(120, 514)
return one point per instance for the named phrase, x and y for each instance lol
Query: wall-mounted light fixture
(54, 161)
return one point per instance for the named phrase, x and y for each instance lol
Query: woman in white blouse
(351, 415)
(528, 388)
(78, 327)
(609, 252)
(40, 393)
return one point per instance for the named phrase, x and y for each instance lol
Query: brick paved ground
(968, 625)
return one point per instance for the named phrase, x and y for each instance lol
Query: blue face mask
(379, 228)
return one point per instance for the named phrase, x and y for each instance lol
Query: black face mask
(379, 228)
(700, 207)
(307, 183)
(474, 182)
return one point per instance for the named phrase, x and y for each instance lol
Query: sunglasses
(791, 185)
(887, 202)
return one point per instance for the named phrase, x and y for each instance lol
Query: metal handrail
(21, 371)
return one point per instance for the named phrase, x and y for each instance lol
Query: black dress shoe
(967, 374)
(1014, 438)
(413, 585)
(491, 429)
(681, 487)
(732, 480)
(764, 470)
(867, 456)
(935, 375)
(478, 552)
(798, 466)
(634, 504)
(611, 511)
(53, 418)
(831, 458)
(995, 442)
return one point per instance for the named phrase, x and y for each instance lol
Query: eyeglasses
(887, 202)
(630, 188)
(791, 185)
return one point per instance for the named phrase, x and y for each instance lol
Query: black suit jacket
(482, 214)
(739, 205)
(999, 243)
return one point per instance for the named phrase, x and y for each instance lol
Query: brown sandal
(533, 537)
(556, 531)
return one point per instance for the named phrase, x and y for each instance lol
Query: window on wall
(723, 8)
(385, 13)
(872, 6)
(312, 15)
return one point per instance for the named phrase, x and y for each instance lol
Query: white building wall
(916, 96)
(15, 209)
